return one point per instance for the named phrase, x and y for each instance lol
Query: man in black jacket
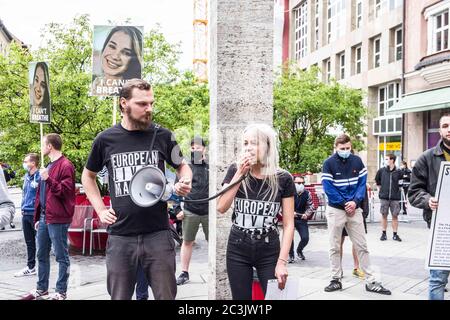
(194, 214)
(422, 191)
(388, 179)
(304, 210)
(406, 179)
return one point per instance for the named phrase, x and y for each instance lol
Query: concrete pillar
(241, 91)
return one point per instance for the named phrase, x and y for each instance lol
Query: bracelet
(285, 261)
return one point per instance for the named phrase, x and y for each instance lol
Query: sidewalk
(88, 273)
(399, 265)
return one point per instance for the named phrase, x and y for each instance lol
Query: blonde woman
(266, 190)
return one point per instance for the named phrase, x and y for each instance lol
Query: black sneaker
(12, 225)
(301, 255)
(333, 286)
(383, 237)
(396, 238)
(291, 259)
(376, 287)
(183, 278)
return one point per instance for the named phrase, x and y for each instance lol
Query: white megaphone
(148, 186)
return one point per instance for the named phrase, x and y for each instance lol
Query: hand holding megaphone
(149, 185)
(183, 186)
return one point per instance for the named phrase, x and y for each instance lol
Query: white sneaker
(25, 272)
(58, 296)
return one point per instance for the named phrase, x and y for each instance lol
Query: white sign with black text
(439, 242)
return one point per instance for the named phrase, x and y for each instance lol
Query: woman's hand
(281, 273)
(244, 165)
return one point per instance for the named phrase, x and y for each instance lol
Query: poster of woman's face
(38, 79)
(117, 57)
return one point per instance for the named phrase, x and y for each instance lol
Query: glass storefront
(387, 145)
(433, 135)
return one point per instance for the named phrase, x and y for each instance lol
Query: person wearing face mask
(344, 178)
(406, 177)
(388, 182)
(30, 184)
(304, 210)
(194, 214)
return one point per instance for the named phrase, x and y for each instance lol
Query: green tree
(77, 116)
(306, 114)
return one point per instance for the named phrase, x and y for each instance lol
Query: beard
(142, 123)
(446, 142)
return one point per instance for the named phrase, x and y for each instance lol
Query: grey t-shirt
(5, 199)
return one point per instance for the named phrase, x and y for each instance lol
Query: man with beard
(422, 191)
(137, 235)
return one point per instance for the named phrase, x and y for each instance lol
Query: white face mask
(299, 188)
(344, 153)
(24, 165)
(387, 163)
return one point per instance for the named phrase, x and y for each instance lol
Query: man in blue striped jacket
(344, 182)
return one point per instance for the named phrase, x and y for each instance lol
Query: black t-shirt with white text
(124, 152)
(253, 214)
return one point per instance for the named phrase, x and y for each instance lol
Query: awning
(423, 101)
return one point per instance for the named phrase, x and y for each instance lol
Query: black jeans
(404, 210)
(141, 285)
(30, 239)
(155, 252)
(302, 228)
(244, 253)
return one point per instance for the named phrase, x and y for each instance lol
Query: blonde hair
(266, 137)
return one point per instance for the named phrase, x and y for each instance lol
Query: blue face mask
(344, 154)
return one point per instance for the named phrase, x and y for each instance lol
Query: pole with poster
(114, 120)
(116, 58)
(40, 105)
(439, 242)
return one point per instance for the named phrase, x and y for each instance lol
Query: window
(376, 51)
(441, 31)
(358, 14)
(301, 32)
(394, 4)
(377, 8)
(341, 60)
(357, 59)
(316, 24)
(327, 68)
(398, 43)
(336, 16)
(387, 96)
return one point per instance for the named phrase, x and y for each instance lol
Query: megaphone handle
(152, 143)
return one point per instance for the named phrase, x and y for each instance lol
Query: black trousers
(155, 252)
(244, 253)
(30, 239)
(302, 228)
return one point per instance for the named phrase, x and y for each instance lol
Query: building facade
(6, 37)
(426, 74)
(360, 44)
